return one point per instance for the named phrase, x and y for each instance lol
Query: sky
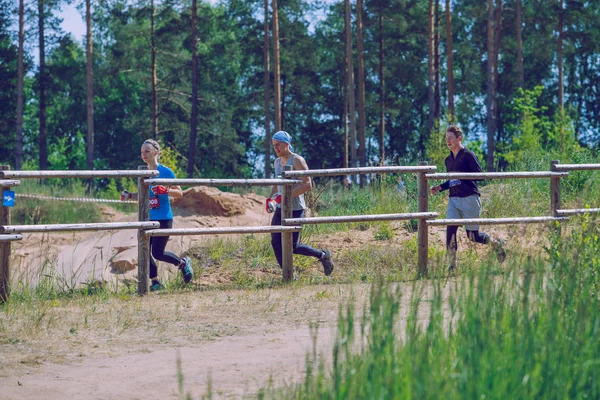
(74, 23)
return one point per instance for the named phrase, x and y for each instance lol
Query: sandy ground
(235, 342)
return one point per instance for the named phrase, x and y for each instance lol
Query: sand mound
(211, 201)
(81, 257)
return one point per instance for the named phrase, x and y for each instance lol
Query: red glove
(160, 189)
(270, 205)
(125, 195)
(271, 201)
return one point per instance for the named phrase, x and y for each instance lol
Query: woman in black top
(464, 201)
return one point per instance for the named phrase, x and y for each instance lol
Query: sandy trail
(238, 340)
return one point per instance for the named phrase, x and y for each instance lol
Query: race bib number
(454, 182)
(154, 203)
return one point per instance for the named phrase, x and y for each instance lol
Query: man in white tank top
(282, 144)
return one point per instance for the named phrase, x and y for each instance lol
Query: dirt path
(239, 339)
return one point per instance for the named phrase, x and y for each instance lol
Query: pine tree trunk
(437, 93)
(362, 150)
(267, 97)
(491, 87)
(351, 97)
(381, 92)
(559, 56)
(42, 78)
(154, 79)
(194, 116)
(20, 97)
(89, 88)
(430, 70)
(276, 68)
(345, 113)
(450, 61)
(519, 31)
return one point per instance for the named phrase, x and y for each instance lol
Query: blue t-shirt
(164, 206)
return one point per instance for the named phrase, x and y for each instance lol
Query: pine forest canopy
(515, 74)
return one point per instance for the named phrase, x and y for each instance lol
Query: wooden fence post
(555, 193)
(4, 248)
(287, 247)
(423, 230)
(143, 239)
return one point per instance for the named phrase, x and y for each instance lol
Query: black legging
(474, 236)
(157, 249)
(301, 249)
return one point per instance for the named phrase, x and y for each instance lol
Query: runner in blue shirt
(160, 210)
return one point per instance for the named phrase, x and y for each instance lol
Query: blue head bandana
(283, 136)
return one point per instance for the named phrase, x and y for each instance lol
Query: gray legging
(157, 249)
(301, 249)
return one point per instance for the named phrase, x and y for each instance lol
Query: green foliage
(40, 211)
(170, 158)
(535, 133)
(385, 232)
(529, 333)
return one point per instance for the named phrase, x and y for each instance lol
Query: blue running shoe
(186, 269)
(157, 286)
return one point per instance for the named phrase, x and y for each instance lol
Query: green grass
(530, 332)
(29, 211)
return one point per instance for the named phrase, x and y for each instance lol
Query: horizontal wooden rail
(576, 167)
(221, 230)
(358, 218)
(10, 238)
(578, 211)
(79, 174)
(101, 226)
(495, 221)
(221, 182)
(359, 171)
(496, 175)
(9, 182)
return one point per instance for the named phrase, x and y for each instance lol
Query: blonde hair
(153, 143)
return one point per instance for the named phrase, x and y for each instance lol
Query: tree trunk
(450, 61)
(194, 116)
(362, 140)
(276, 68)
(42, 109)
(436, 66)
(519, 31)
(381, 91)
(89, 88)
(267, 84)
(492, 41)
(154, 79)
(20, 97)
(351, 97)
(559, 56)
(430, 69)
(345, 113)
(497, 38)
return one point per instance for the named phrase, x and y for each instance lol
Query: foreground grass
(530, 332)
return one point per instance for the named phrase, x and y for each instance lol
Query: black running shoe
(327, 262)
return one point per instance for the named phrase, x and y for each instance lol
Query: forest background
(519, 76)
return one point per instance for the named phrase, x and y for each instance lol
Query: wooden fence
(290, 225)
(145, 228)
